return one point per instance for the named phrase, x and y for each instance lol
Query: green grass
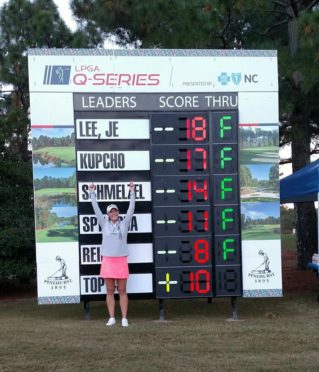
(272, 334)
(66, 154)
(264, 232)
(258, 155)
(259, 199)
(68, 233)
(288, 242)
(54, 192)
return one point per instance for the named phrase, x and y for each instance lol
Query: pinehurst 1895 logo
(262, 273)
(59, 279)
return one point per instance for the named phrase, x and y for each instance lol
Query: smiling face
(113, 215)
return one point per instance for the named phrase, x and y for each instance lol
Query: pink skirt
(114, 268)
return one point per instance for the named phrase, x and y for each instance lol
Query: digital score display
(196, 210)
(189, 218)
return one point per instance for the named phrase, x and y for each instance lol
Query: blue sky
(64, 211)
(260, 171)
(260, 210)
(40, 172)
(52, 132)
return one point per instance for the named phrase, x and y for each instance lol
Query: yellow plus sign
(167, 282)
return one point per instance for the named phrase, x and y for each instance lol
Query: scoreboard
(190, 162)
(196, 228)
(193, 140)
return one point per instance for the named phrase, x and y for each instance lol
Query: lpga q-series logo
(56, 75)
(59, 279)
(262, 273)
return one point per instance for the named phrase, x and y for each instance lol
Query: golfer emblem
(263, 268)
(61, 270)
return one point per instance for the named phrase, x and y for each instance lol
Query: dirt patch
(11, 290)
(294, 281)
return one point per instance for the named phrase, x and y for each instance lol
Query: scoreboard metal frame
(183, 124)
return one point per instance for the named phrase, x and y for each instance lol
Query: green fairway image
(259, 155)
(55, 204)
(53, 147)
(55, 201)
(259, 144)
(260, 221)
(259, 182)
(56, 215)
(57, 233)
(267, 232)
(57, 156)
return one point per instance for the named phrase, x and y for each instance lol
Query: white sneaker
(111, 322)
(124, 322)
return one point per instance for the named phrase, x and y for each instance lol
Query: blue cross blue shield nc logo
(236, 77)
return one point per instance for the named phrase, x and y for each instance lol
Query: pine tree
(23, 25)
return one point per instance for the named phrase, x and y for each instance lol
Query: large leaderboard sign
(197, 131)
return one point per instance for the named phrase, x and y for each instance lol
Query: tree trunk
(305, 213)
(306, 228)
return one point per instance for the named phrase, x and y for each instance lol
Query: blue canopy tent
(302, 186)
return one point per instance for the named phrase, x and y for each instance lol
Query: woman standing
(114, 251)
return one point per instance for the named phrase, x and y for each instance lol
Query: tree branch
(285, 161)
(294, 8)
(275, 25)
(312, 4)
(280, 3)
(225, 29)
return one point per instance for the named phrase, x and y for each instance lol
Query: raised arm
(131, 207)
(96, 208)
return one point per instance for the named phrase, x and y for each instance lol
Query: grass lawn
(66, 154)
(278, 334)
(54, 192)
(264, 232)
(259, 155)
(68, 233)
(288, 242)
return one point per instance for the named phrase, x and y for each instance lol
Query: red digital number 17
(196, 160)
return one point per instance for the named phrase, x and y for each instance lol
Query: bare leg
(121, 285)
(110, 301)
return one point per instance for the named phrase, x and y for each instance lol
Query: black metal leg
(234, 307)
(161, 309)
(86, 306)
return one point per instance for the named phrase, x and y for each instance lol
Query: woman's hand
(131, 186)
(92, 187)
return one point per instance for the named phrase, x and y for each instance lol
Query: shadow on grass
(175, 310)
(63, 233)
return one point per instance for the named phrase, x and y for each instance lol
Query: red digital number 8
(198, 132)
(196, 128)
(201, 254)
